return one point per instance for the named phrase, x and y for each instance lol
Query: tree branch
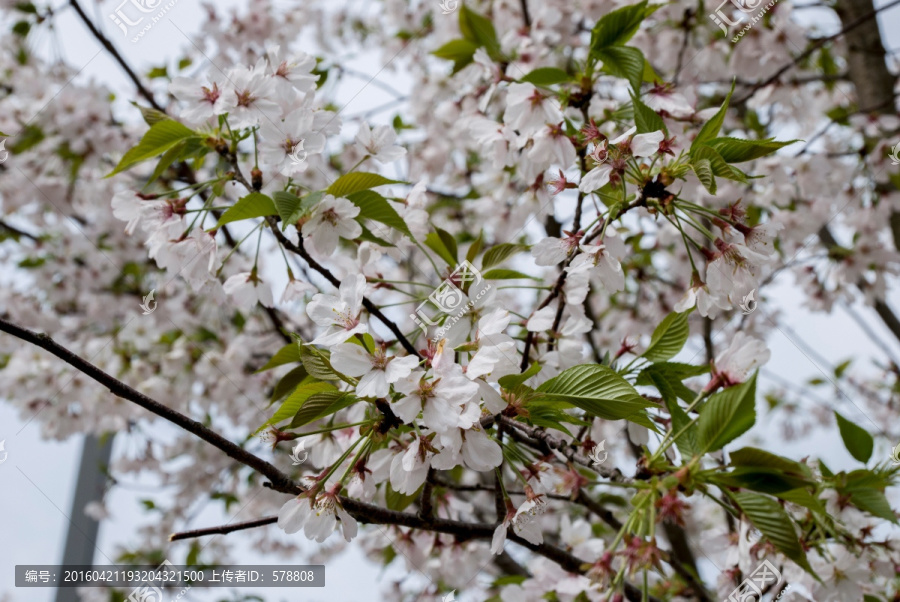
(315, 265)
(224, 529)
(361, 511)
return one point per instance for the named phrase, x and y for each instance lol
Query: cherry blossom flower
(200, 99)
(528, 110)
(471, 447)
(247, 101)
(294, 72)
(440, 400)
(744, 355)
(247, 289)
(552, 250)
(339, 314)
(279, 144)
(378, 143)
(377, 372)
(318, 518)
(331, 219)
(410, 468)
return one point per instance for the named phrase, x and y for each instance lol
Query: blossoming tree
(471, 306)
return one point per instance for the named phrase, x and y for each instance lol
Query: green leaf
(293, 403)
(479, 30)
(500, 253)
(856, 439)
(703, 169)
(874, 502)
(735, 150)
(504, 274)
(670, 376)
(617, 27)
(547, 76)
(320, 405)
(306, 203)
(288, 383)
(159, 138)
(668, 337)
(287, 205)
(151, 116)
(511, 381)
(598, 390)
(711, 128)
(727, 415)
(461, 52)
(686, 441)
(475, 248)
(760, 458)
(626, 62)
(773, 521)
(646, 119)
(356, 182)
(286, 355)
(253, 205)
(375, 207)
(316, 364)
(438, 244)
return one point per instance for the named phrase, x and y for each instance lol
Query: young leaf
(461, 52)
(626, 62)
(500, 253)
(316, 365)
(711, 128)
(253, 205)
(357, 181)
(598, 390)
(727, 415)
(735, 150)
(511, 381)
(503, 274)
(668, 338)
(704, 172)
(320, 405)
(435, 242)
(479, 30)
(286, 204)
(773, 521)
(288, 383)
(547, 76)
(375, 207)
(646, 119)
(874, 502)
(616, 27)
(159, 138)
(293, 403)
(856, 439)
(288, 354)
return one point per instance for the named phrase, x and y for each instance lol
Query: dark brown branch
(224, 529)
(315, 265)
(19, 233)
(361, 511)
